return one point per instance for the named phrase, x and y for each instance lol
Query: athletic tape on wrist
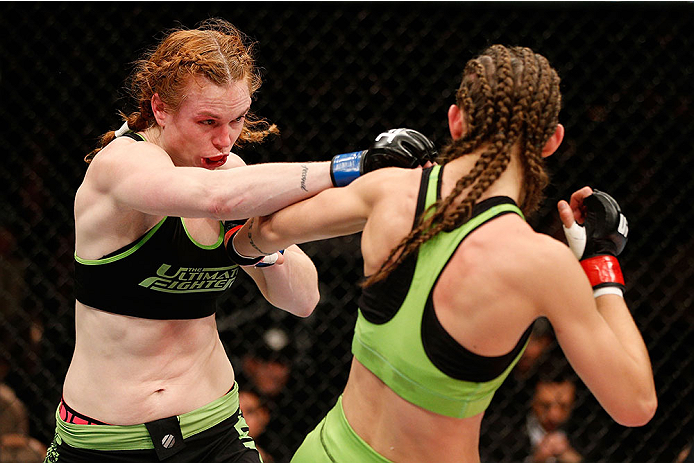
(603, 271)
(270, 260)
(616, 290)
(233, 253)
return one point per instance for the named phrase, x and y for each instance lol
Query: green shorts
(216, 430)
(334, 440)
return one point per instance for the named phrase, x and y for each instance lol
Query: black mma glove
(394, 148)
(599, 241)
(231, 227)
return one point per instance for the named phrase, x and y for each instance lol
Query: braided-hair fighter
(455, 278)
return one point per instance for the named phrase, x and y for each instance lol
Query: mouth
(213, 162)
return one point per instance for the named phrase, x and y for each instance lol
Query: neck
(508, 184)
(153, 135)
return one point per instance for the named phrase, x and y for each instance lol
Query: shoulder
(545, 258)
(124, 147)
(120, 163)
(388, 182)
(526, 259)
(127, 155)
(124, 157)
(234, 160)
(551, 271)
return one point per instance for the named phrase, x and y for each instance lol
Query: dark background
(335, 75)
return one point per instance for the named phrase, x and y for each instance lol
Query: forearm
(623, 382)
(292, 285)
(616, 314)
(256, 237)
(333, 212)
(262, 189)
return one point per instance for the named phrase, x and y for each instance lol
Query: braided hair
(509, 96)
(215, 50)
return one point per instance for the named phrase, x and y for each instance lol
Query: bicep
(145, 179)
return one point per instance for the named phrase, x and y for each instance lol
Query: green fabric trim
(203, 246)
(123, 254)
(136, 437)
(393, 351)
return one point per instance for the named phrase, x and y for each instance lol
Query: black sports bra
(164, 274)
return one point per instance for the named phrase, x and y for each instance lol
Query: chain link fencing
(335, 75)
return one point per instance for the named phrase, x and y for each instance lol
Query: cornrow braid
(531, 195)
(510, 97)
(546, 105)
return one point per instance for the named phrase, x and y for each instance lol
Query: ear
(456, 122)
(159, 110)
(553, 142)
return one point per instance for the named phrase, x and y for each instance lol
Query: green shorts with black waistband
(216, 429)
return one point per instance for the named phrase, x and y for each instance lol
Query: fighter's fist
(395, 148)
(604, 230)
(399, 148)
(600, 239)
(606, 227)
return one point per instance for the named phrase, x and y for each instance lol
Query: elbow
(308, 305)
(639, 413)
(647, 411)
(217, 208)
(221, 206)
(304, 313)
(301, 304)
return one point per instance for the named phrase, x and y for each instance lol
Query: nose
(223, 139)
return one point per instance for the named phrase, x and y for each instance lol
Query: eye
(240, 118)
(207, 122)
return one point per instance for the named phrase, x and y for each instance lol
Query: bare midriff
(402, 431)
(127, 370)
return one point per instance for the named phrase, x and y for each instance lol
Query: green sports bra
(399, 338)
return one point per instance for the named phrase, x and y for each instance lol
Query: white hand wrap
(576, 237)
(268, 260)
